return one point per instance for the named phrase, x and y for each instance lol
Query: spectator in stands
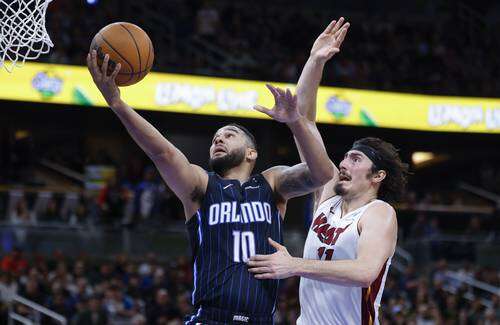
(8, 287)
(440, 270)
(146, 194)
(79, 269)
(51, 212)
(489, 317)
(33, 291)
(474, 313)
(162, 310)
(21, 217)
(21, 214)
(62, 303)
(184, 303)
(495, 306)
(169, 206)
(61, 274)
(439, 295)
(92, 313)
(14, 262)
(80, 289)
(207, 21)
(409, 282)
(451, 310)
(118, 306)
(428, 314)
(422, 228)
(112, 201)
(474, 229)
(105, 274)
(138, 319)
(488, 177)
(134, 289)
(80, 215)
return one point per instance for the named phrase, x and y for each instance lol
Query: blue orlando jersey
(233, 224)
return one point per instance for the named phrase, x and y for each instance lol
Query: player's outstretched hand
(285, 106)
(328, 43)
(105, 83)
(280, 265)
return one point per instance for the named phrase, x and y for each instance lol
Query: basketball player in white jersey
(353, 234)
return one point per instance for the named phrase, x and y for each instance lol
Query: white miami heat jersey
(332, 237)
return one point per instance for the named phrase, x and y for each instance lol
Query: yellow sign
(230, 97)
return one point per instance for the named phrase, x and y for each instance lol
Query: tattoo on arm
(296, 181)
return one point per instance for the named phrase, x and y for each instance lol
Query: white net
(23, 35)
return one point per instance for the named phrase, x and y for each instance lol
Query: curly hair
(394, 183)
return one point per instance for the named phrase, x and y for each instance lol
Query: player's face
(226, 140)
(354, 173)
(228, 149)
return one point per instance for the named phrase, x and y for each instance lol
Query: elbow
(365, 282)
(368, 276)
(164, 153)
(162, 157)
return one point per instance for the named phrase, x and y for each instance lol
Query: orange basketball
(128, 45)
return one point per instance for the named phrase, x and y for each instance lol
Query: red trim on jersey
(366, 317)
(368, 297)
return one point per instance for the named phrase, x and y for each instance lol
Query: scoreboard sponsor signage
(60, 84)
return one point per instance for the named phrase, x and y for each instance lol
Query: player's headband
(371, 153)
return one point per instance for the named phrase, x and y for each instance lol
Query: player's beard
(339, 189)
(221, 165)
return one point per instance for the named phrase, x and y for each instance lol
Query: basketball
(127, 44)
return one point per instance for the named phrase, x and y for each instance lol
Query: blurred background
(89, 230)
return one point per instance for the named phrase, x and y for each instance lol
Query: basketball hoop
(22, 32)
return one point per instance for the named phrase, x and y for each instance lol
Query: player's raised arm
(188, 181)
(325, 47)
(303, 178)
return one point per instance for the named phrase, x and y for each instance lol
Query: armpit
(197, 195)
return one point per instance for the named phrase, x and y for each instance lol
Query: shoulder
(271, 174)
(380, 206)
(274, 170)
(379, 214)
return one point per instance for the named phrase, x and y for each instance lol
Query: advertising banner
(49, 83)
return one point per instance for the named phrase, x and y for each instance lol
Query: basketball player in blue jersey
(353, 236)
(230, 212)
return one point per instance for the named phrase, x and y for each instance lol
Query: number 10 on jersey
(243, 245)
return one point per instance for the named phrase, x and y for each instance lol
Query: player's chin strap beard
(372, 154)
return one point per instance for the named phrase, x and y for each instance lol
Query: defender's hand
(106, 84)
(285, 106)
(280, 265)
(328, 43)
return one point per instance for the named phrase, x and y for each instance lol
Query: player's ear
(251, 154)
(379, 176)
